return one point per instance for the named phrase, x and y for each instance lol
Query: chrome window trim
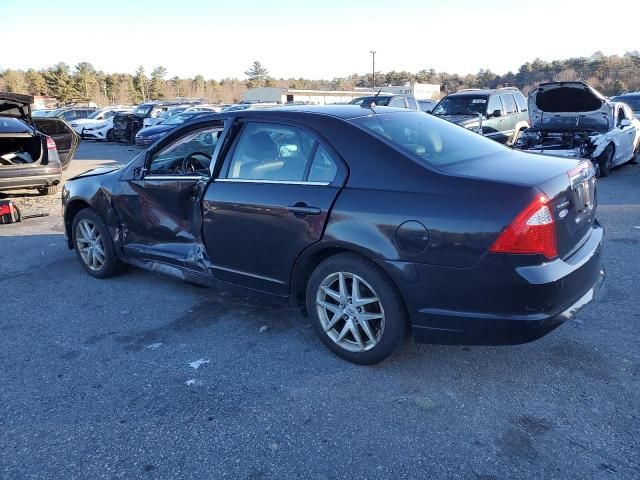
(275, 182)
(176, 177)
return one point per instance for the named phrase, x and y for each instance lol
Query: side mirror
(496, 113)
(625, 123)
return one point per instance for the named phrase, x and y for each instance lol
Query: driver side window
(189, 155)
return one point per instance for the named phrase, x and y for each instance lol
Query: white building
(317, 97)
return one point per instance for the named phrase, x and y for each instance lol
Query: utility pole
(373, 54)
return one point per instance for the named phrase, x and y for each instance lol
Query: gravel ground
(143, 376)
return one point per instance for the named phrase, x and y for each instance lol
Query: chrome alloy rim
(350, 312)
(90, 245)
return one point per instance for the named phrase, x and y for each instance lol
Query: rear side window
(521, 101)
(429, 139)
(412, 103)
(323, 168)
(509, 103)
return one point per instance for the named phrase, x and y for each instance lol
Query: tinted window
(69, 115)
(412, 103)
(632, 101)
(494, 104)
(509, 103)
(323, 168)
(271, 152)
(431, 140)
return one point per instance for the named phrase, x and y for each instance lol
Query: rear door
(510, 115)
(66, 138)
(270, 201)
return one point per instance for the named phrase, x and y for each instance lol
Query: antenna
(375, 97)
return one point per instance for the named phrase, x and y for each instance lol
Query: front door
(159, 205)
(493, 125)
(270, 201)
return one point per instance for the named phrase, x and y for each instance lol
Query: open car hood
(569, 106)
(16, 105)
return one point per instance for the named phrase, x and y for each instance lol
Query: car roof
(345, 112)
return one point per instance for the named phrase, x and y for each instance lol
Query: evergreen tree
(60, 83)
(157, 86)
(258, 75)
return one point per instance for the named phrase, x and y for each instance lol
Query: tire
(605, 159)
(49, 190)
(85, 226)
(110, 135)
(379, 335)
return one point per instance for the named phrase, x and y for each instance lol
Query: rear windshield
(13, 125)
(431, 140)
(633, 102)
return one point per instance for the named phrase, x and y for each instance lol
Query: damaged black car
(33, 152)
(446, 234)
(571, 119)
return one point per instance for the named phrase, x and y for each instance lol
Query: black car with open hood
(33, 152)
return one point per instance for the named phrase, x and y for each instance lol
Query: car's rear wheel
(110, 135)
(605, 161)
(355, 309)
(93, 245)
(49, 190)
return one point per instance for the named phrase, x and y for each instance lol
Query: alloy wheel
(90, 245)
(350, 312)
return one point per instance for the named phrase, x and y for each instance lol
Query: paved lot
(143, 376)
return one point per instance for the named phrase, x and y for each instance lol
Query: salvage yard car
(571, 119)
(33, 152)
(376, 220)
(631, 99)
(96, 118)
(500, 115)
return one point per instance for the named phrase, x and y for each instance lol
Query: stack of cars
(33, 151)
(571, 119)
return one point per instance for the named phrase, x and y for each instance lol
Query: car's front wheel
(93, 245)
(605, 161)
(355, 309)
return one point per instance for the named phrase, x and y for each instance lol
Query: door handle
(301, 209)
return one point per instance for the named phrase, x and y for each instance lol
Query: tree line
(611, 74)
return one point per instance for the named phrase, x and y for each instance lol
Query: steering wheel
(191, 164)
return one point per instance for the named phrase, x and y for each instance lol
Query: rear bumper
(31, 181)
(495, 302)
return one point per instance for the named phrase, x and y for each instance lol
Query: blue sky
(317, 39)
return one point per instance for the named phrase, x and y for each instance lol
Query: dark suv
(497, 114)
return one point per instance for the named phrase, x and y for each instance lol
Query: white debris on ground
(198, 363)
(154, 346)
(190, 382)
(263, 329)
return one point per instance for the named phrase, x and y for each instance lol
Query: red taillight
(532, 231)
(51, 145)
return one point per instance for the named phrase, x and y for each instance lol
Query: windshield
(380, 101)
(95, 114)
(633, 102)
(433, 141)
(40, 113)
(575, 122)
(176, 119)
(142, 110)
(461, 105)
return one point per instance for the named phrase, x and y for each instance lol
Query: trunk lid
(16, 105)
(569, 184)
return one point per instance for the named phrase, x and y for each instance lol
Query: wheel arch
(307, 262)
(71, 210)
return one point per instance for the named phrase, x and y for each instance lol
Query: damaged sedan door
(159, 200)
